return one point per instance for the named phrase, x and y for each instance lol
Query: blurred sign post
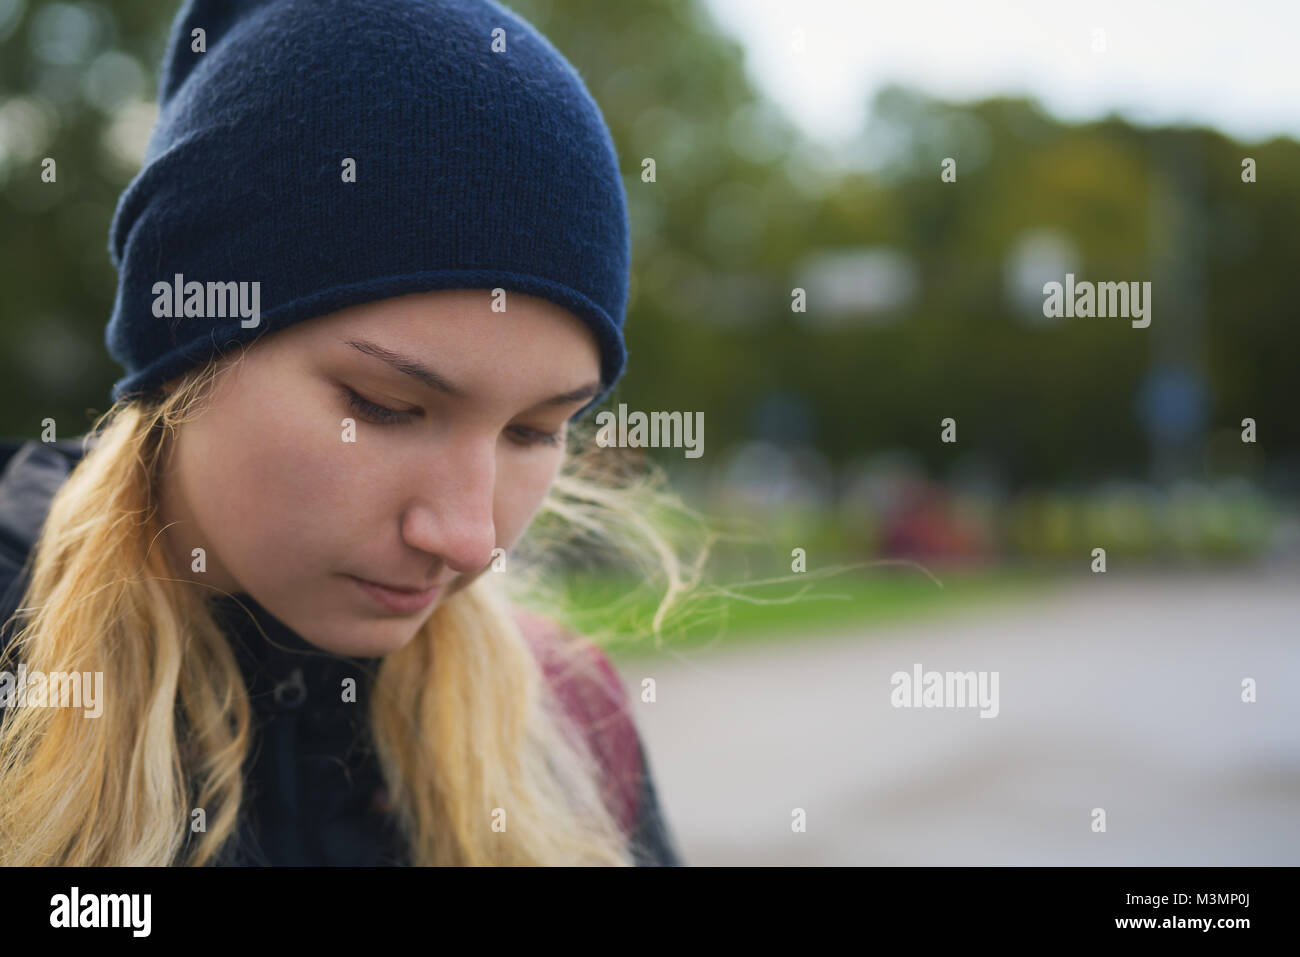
(1174, 399)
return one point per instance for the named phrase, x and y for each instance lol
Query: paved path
(1113, 693)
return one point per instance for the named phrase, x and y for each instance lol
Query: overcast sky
(1232, 65)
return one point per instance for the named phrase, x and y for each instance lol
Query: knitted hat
(341, 151)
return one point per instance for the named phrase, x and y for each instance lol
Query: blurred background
(801, 146)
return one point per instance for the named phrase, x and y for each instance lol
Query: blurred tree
(737, 212)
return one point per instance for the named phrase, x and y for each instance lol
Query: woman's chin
(367, 637)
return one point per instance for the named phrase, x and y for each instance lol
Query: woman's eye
(382, 415)
(377, 414)
(536, 437)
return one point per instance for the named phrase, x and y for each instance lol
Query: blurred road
(1123, 694)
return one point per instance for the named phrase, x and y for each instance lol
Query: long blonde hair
(462, 718)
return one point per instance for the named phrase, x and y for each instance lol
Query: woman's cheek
(297, 483)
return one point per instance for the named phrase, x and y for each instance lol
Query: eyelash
(382, 415)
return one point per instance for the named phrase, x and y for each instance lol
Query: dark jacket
(314, 793)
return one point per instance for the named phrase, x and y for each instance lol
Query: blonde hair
(462, 717)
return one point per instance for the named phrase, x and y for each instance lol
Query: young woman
(289, 548)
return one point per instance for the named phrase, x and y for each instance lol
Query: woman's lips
(403, 602)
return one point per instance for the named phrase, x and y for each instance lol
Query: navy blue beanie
(472, 169)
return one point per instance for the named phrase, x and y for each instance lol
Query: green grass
(794, 608)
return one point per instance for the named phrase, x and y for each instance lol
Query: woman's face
(298, 484)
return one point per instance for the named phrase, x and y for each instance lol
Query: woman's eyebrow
(437, 381)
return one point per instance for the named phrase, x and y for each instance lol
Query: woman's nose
(451, 512)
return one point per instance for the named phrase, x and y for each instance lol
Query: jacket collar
(281, 669)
